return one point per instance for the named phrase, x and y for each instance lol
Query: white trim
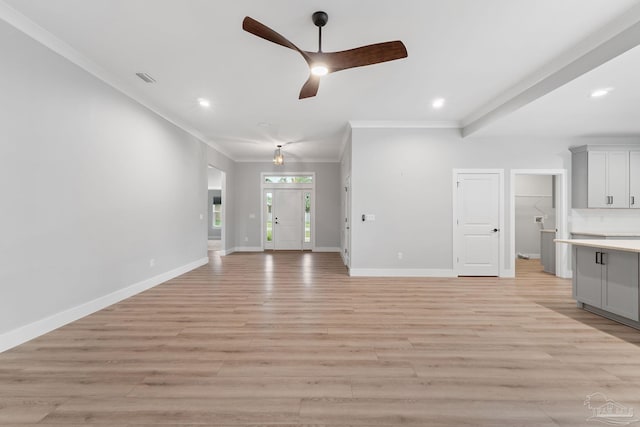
(326, 249)
(288, 160)
(47, 39)
(247, 249)
(40, 327)
(404, 124)
(265, 186)
(562, 209)
(401, 272)
(502, 266)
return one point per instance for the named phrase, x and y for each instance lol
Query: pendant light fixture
(278, 158)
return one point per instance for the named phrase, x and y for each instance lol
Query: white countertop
(548, 230)
(617, 245)
(606, 233)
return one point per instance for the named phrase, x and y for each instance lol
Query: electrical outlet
(152, 262)
(246, 239)
(400, 255)
(201, 217)
(538, 219)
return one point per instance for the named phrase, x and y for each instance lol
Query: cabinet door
(597, 179)
(620, 283)
(588, 276)
(618, 178)
(634, 179)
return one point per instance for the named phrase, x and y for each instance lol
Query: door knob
(495, 230)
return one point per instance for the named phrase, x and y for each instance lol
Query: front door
(288, 219)
(478, 222)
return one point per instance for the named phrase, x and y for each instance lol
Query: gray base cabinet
(620, 284)
(607, 279)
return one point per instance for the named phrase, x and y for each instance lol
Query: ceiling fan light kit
(322, 63)
(278, 158)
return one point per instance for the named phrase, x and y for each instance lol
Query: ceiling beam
(620, 36)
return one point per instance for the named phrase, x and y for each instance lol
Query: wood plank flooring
(288, 339)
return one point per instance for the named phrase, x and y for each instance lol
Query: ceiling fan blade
(310, 88)
(256, 28)
(365, 55)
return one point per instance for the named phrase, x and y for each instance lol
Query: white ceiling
(467, 51)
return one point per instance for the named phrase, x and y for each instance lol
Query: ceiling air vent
(146, 77)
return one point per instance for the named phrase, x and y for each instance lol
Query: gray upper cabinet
(605, 176)
(634, 179)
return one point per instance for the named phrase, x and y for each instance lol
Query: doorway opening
(538, 208)
(288, 220)
(216, 180)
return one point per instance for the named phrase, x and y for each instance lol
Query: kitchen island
(606, 277)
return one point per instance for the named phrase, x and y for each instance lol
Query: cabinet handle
(602, 258)
(597, 257)
(611, 200)
(633, 200)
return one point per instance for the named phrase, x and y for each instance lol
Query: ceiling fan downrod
(320, 20)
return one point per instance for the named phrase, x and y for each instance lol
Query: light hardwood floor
(289, 339)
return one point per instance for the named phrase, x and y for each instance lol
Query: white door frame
(223, 196)
(562, 207)
(346, 245)
(271, 186)
(456, 245)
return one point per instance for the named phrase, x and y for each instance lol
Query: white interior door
(288, 220)
(346, 251)
(478, 222)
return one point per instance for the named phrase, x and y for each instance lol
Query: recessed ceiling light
(204, 102)
(599, 93)
(438, 103)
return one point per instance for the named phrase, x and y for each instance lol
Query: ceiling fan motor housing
(320, 18)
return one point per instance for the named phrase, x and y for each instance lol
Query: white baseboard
(326, 249)
(400, 272)
(247, 249)
(33, 330)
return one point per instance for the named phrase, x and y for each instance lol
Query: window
(269, 227)
(289, 179)
(307, 217)
(217, 213)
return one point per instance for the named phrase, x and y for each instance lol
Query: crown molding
(404, 124)
(47, 39)
(288, 160)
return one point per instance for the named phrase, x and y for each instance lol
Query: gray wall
(248, 199)
(214, 233)
(533, 197)
(404, 177)
(93, 187)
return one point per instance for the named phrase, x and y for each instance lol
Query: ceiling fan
(322, 63)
